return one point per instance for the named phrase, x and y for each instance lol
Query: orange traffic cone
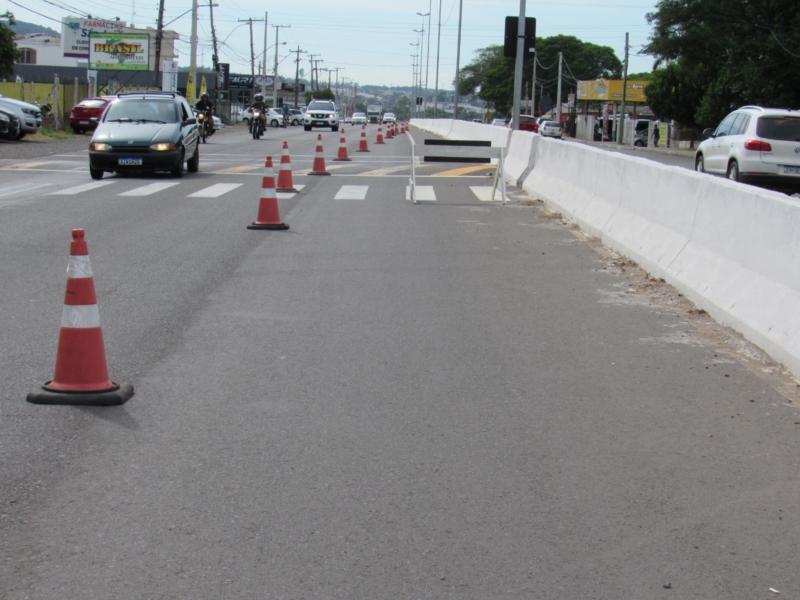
(342, 149)
(319, 159)
(362, 145)
(268, 215)
(380, 135)
(389, 131)
(81, 373)
(285, 183)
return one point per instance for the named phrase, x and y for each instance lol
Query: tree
(729, 53)
(8, 51)
(491, 75)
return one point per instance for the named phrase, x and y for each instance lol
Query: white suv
(755, 145)
(30, 115)
(321, 113)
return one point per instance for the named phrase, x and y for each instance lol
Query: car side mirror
(708, 133)
(190, 121)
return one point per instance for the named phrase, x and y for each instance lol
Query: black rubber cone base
(320, 173)
(341, 159)
(288, 190)
(273, 226)
(119, 394)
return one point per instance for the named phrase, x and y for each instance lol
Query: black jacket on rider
(204, 106)
(260, 105)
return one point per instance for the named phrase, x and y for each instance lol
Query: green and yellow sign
(119, 51)
(610, 90)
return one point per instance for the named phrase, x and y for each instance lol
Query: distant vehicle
(9, 125)
(754, 145)
(321, 113)
(499, 122)
(640, 139)
(374, 112)
(359, 118)
(388, 118)
(84, 116)
(550, 129)
(30, 115)
(526, 123)
(295, 116)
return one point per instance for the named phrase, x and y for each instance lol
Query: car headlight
(4, 118)
(99, 147)
(29, 111)
(162, 147)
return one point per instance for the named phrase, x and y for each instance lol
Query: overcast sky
(370, 41)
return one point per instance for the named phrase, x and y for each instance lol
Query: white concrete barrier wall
(519, 156)
(731, 249)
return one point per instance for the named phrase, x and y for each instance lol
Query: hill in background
(21, 28)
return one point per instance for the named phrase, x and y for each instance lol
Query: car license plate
(131, 161)
(320, 123)
(792, 170)
(84, 122)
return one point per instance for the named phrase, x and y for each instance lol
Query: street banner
(203, 86)
(222, 76)
(75, 34)
(119, 52)
(169, 76)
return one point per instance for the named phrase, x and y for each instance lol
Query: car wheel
(95, 173)
(307, 127)
(77, 130)
(20, 136)
(334, 129)
(700, 164)
(246, 122)
(177, 171)
(193, 164)
(733, 171)
(639, 143)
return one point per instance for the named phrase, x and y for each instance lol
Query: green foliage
(720, 55)
(8, 52)
(491, 76)
(323, 94)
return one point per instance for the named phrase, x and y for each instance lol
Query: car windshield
(779, 128)
(551, 124)
(321, 106)
(359, 115)
(142, 110)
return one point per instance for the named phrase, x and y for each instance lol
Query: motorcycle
(206, 123)
(257, 125)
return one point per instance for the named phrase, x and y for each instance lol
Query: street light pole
(275, 72)
(438, 47)
(264, 57)
(458, 58)
(190, 86)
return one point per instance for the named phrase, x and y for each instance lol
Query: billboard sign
(611, 90)
(119, 52)
(75, 34)
(246, 81)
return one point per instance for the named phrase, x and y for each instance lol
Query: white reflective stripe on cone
(80, 317)
(79, 267)
(268, 192)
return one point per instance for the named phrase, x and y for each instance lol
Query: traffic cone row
(81, 373)
(285, 183)
(380, 135)
(362, 145)
(319, 159)
(268, 215)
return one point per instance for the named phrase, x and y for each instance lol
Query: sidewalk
(689, 153)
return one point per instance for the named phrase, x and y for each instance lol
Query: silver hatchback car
(755, 145)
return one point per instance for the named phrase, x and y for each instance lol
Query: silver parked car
(550, 129)
(755, 145)
(30, 115)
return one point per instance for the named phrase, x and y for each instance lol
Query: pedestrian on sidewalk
(656, 136)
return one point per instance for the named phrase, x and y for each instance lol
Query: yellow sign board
(610, 90)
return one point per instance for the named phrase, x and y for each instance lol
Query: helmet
(259, 96)
(204, 95)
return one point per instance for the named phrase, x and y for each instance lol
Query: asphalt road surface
(453, 399)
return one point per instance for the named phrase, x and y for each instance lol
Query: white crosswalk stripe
(86, 187)
(23, 187)
(424, 193)
(484, 193)
(352, 192)
(290, 195)
(153, 188)
(216, 190)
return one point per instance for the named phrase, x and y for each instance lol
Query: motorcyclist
(204, 106)
(258, 103)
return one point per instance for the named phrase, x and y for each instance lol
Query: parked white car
(550, 129)
(30, 115)
(359, 119)
(755, 145)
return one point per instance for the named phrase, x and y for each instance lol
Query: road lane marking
(328, 168)
(484, 193)
(86, 187)
(352, 192)
(31, 165)
(23, 187)
(424, 193)
(465, 170)
(147, 190)
(239, 169)
(216, 190)
(289, 195)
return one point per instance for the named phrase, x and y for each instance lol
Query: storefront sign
(122, 52)
(75, 34)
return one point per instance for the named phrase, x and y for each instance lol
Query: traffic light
(510, 41)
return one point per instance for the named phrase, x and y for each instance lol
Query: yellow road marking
(31, 165)
(465, 170)
(239, 169)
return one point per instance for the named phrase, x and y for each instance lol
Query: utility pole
(297, 74)
(275, 72)
(558, 93)
(214, 56)
(311, 78)
(518, 64)
(438, 47)
(458, 58)
(192, 84)
(428, 58)
(621, 131)
(533, 84)
(264, 57)
(159, 34)
(252, 49)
